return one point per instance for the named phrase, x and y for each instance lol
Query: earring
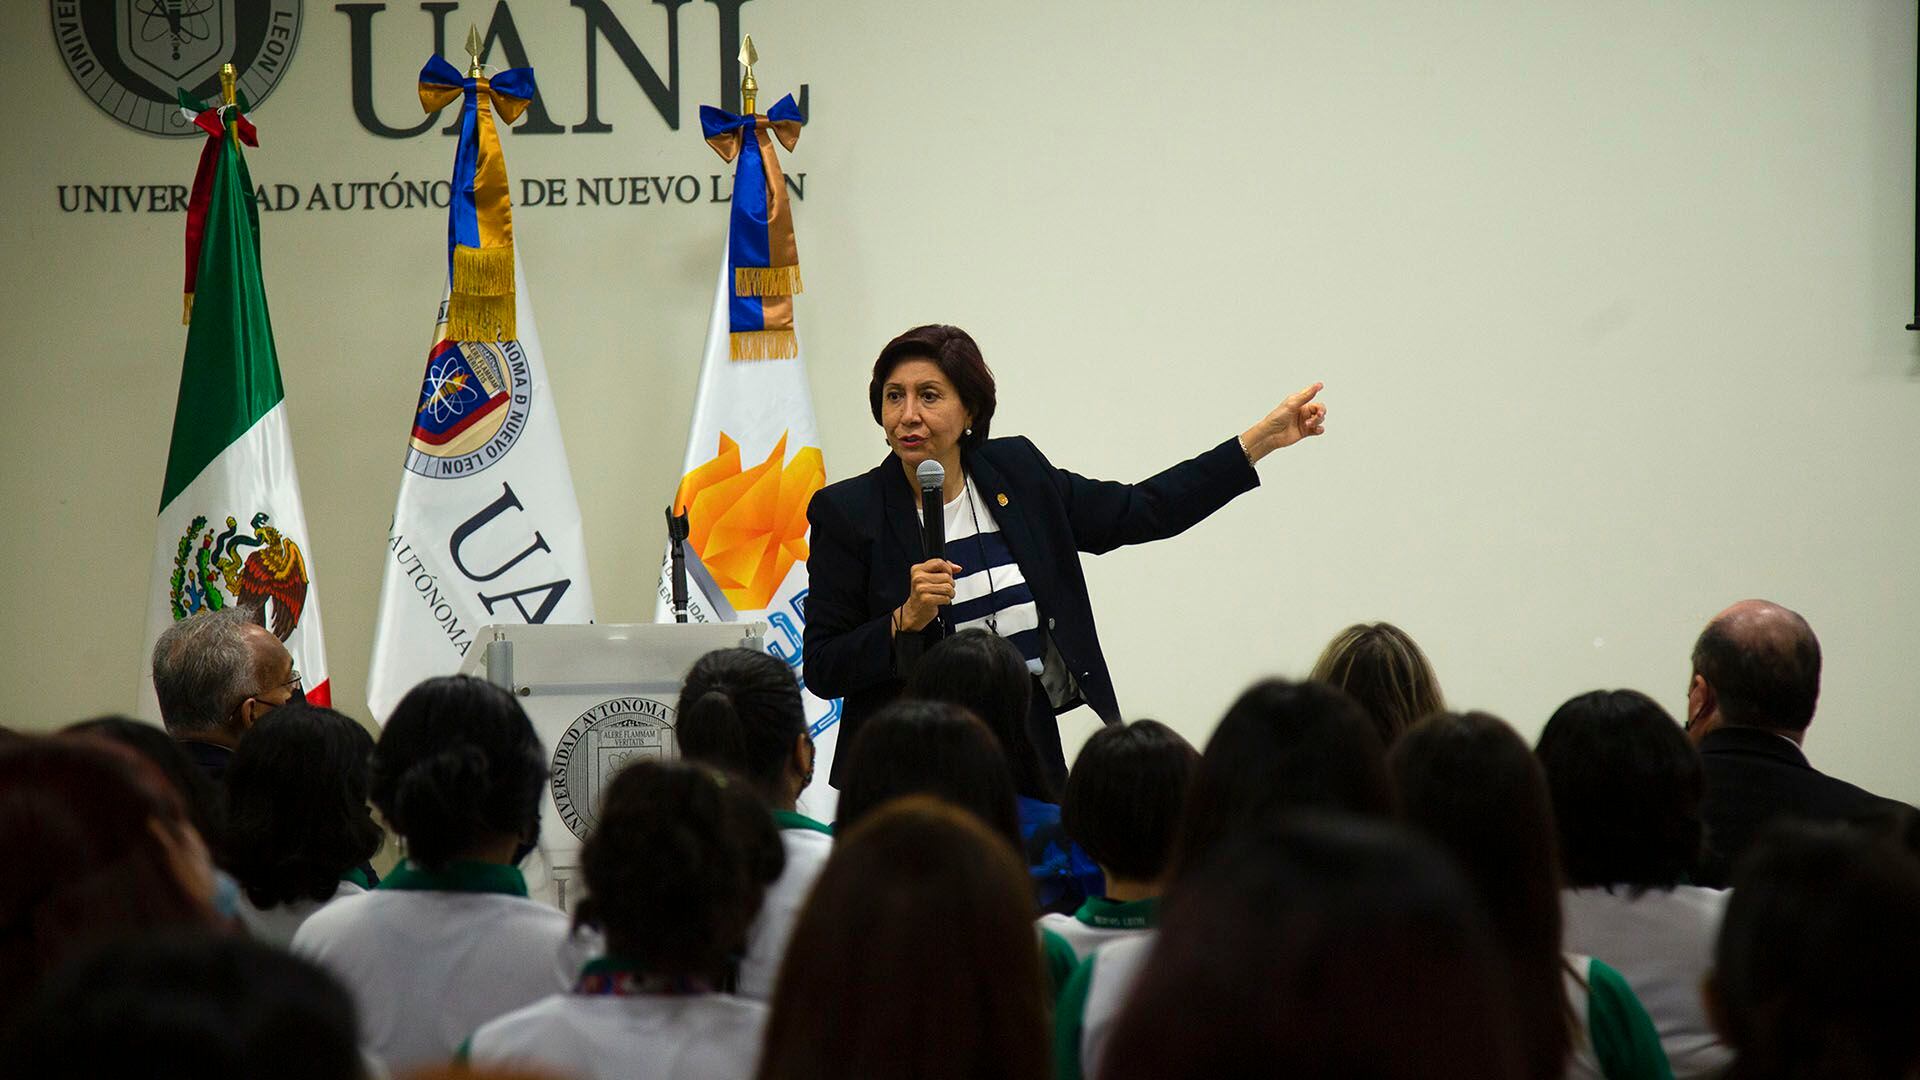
(969, 431)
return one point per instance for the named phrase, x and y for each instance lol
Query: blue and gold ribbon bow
(760, 247)
(480, 210)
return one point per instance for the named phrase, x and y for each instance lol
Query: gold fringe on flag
(481, 306)
(766, 280)
(186, 310)
(763, 345)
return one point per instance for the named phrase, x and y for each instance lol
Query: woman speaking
(877, 599)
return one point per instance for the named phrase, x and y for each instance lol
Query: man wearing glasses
(215, 674)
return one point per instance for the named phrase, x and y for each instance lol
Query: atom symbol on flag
(448, 390)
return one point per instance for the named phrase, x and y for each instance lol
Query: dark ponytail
(741, 711)
(458, 764)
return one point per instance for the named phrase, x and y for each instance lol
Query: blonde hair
(1386, 672)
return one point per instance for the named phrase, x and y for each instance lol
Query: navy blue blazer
(866, 539)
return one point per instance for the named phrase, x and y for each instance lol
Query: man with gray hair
(215, 673)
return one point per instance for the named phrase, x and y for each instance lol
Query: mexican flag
(231, 529)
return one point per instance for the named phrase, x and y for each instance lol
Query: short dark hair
(1125, 794)
(1761, 680)
(188, 1004)
(929, 748)
(985, 674)
(1469, 782)
(457, 764)
(677, 866)
(1626, 787)
(951, 350)
(204, 800)
(1319, 946)
(741, 710)
(1814, 970)
(297, 804)
(915, 955)
(1283, 745)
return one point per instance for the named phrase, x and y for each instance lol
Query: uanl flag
(486, 528)
(231, 529)
(753, 451)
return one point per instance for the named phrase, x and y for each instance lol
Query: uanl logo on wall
(130, 56)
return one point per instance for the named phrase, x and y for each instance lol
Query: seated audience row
(1341, 884)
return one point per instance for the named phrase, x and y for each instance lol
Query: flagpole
(473, 50)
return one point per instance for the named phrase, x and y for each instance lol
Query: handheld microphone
(933, 507)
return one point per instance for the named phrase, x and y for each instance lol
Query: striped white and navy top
(990, 582)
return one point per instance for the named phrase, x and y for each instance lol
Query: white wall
(1608, 298)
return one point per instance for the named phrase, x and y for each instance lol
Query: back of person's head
(1385, 671)
(741, 710)
(1125, 794)
(1319, 946)
(458, 766)
(297, 804)
(676, 868)
(1762, 663)
(205, 802)
(985, 674)
(204, 666)
(1283, 745)
(97, 847)
(1469, 782)
(929, 748)
(1626, 787)
(915, 956)
(1815, 972)
(192, 1007)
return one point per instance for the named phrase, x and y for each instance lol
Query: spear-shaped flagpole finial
(749, 56)
(228, 77)
(473, 50)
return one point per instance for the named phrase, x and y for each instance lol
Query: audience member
(933, 748)
(914, 958)
(1756, 680)
(1385, 671)
(215, 673)
(1123, 803)
(97, 847)
(1815, 973)
(675, 870)
(179, 1006)
(1626, 794)
(985, 674)
(202, 797)
(1281, 746)
(300, 830)
(449, 940)
(1318, 947)
(741, 710)
(929, 748)
(1470, 783)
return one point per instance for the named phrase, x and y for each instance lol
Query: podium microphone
(933, 507)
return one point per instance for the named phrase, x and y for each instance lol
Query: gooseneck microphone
(933, 507)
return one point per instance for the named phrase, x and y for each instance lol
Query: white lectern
(599, 697)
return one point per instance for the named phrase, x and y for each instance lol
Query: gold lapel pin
(1002, 497)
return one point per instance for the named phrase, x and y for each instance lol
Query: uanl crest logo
(130, 56)
(602, 741)
(255, 570)
(473, 407)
